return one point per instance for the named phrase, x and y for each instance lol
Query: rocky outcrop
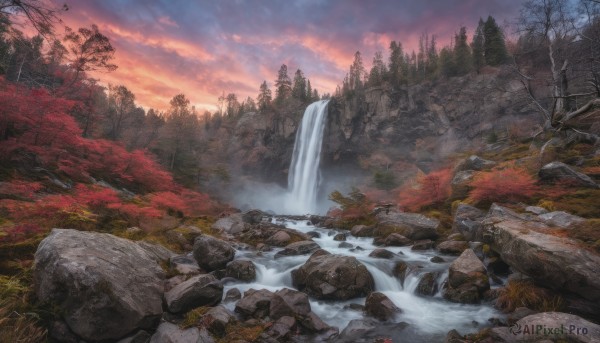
(396, 240)
(452, 247)
(298, 248)
(467, 220)
(548, 327)
(201, 290)
(362, 231)
(558, 171)
(560, 218)
(212, 253)
(379, 306)
(241, 270)
(333, 277)
(410, 225)
(231, 224)
(556, 262)
(474, 162)
(105, 286)
(467, 279)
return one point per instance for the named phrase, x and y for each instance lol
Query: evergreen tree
(378, 70)
(264, 97)
(463, 60)
(432, 57)
(308, 95)
(283, 84)
(494, 45)
(299, 88)
(357, 72)
(447, 66)
(478, 47)
(397, 64)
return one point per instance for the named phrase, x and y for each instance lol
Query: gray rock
(396, 240)
(467, 220)
(253, 216)
(171, 333)
(560, 219)
(139, 337)
(536, 210)
(241, 270)
(382, 253)
(379, 306)
(467, 279)
(428, 284)
(362, 231)
(437, 259)
(212, 253)
(232, 295)
(298, 248)
(567, 329)
(340, 237)
(452, 247)
(313, 234)
(345, 245)
(289, 302)
(200, 290)
(422, 245)
(357, 328)
(461, 183)
(157, 252)
(216, 320)
(104, 286)
(231, 224)
(475, 162)
(335, 277)
(279, 239)
(281, 329)
(410, 225)
(558, 171)
(254, 304)
(184, 264)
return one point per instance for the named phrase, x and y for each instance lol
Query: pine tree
(462, 53)
(299, 88)
(478, 47)
(447, 66)
(357, 72)
(378, 70)
(308, 95)
(264, 97)
(494, 45)
(397, 72)
(283, 84)
(432, 57)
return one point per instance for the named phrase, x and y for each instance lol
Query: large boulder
(558, 171)
(379, 306)
(410, 225)
(298, 248)
(396, 240)
(467, 279)
(241, 270)
(217, 319)
(467, 220)
(200, 290)
(548, 327)
(255, 303)
(555, 262)
(231, 224)
(212, 253)
(253, 216)
(289, 302)
(452, 247)
(105, 286)
(171, 333)
(362, 231)
(335, 277)
(560, 218)
(461, 183)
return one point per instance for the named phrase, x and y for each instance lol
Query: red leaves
(510, 184)
(430, 189)
(19, 233)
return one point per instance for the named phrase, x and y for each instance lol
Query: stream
(430, 317)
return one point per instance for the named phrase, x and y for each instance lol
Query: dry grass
(588, 232)
(520, 293)
(17, 323)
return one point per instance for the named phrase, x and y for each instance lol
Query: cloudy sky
(205, 48)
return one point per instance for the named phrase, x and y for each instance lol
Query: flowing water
(431, 317)
(303, 178)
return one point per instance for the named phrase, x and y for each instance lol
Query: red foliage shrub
(20, 188)
(503, 185)
(430, 189)
(19, 233)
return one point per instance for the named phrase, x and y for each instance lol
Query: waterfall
(303, 178)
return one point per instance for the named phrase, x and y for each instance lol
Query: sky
(205, 48)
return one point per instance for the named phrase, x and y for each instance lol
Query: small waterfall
(303, 178)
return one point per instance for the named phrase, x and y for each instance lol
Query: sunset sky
(205, 48)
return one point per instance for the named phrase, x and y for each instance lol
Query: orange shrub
(430, 189)
(503, 185)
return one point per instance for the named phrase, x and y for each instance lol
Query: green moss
(192, 318)
(237, 331)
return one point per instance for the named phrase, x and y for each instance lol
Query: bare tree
(42, 16)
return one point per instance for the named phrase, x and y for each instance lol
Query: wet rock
(362, 231)
(298, 248)
(139, 337)
(174, 281)
(454, 337)
(241, 270)
(467, 220)
(335, 277)
(452, 247)
(558, 171)
(314, 324)
(402, 270)
(396, 240)
(255, 303)
(382, 253)
(313, 234)
(475, 162)
(232, 224)
(379, 306)
(317, 220)
(184, 264)
(232, 295)
(355, 307)
(357, 328)
(378, 241)
(289, 302)
(461, 183)
(216, 320)
(171, 333)
(345, 245)
(201, 290)
(253, 216)
(428, 284)
(560, 219)
(340, 237)
(422, 245)
(567, 329)
(282, 328)
(437, 259)
(279, 239)
(410, 225)
(518, 314)
(467, 279)
(104, 286)
(212, 253)
(456, 237)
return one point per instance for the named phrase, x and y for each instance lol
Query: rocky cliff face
(417, 124)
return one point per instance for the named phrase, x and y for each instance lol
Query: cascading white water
(303, 178)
